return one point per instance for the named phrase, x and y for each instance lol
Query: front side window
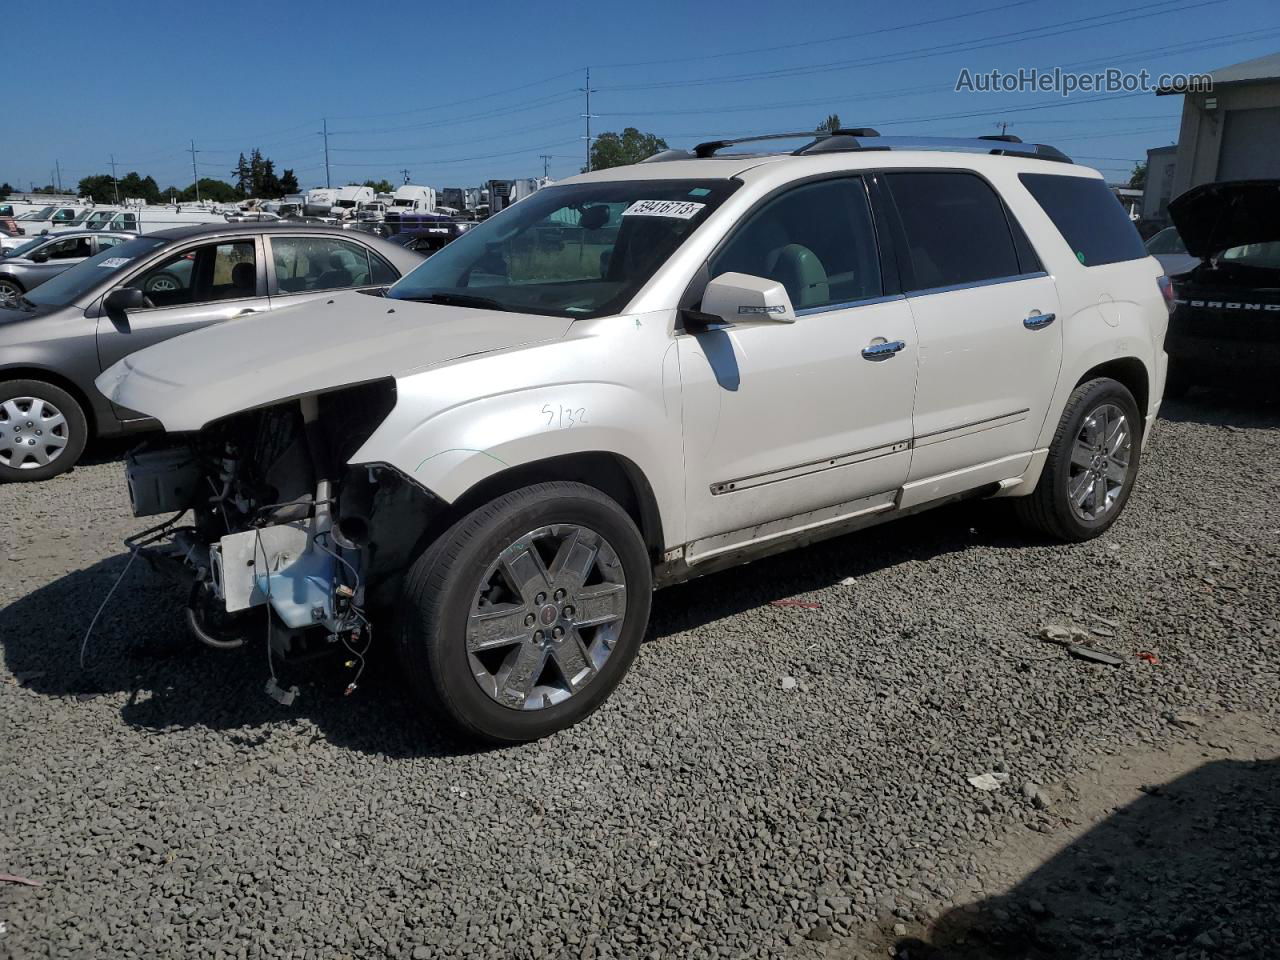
(217, 271)
(72, 248)
(817, 240)
(110, 241)
(304, 264)
(580, 250)
(64, 216)
(1088, 216)
(956, 229)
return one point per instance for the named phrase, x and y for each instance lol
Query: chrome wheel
(33, 433)
(1099, 462)
(546, 617)
(10, 293)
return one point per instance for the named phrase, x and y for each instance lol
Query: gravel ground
(768, 781)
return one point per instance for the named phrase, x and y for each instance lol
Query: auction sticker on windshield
(113, 262)
(676, 209)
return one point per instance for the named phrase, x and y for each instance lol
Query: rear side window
(956, 229)
(1088, 216)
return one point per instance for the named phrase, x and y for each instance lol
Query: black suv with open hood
(1226, 322)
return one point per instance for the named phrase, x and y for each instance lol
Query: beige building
(1232, 133)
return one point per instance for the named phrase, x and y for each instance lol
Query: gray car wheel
(10, 292)
(43, 431)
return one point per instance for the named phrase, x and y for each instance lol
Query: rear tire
(43, 431)
(1092, 464)
(522, 618)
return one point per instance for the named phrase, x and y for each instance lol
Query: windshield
(24, 249)
(70, 285)
(1166, 241)
(44, 213)
(581, 250)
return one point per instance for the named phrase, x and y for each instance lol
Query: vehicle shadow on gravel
(141, 647)
(1190, 869)
(1252, 406)
(919, 538)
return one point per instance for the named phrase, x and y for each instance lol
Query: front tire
(1092, 464)
(10, 292)
(523, 616)
(43, 431)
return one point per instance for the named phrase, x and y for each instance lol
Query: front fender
(449, 447)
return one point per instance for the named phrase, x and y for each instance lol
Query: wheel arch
(61, 382)
(611, 473)
(1129, 371)
(14, 280)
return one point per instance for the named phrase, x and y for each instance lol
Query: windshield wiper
(461, 300)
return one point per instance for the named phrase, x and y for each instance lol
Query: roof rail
(865, 138)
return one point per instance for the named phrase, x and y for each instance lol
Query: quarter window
(955, 227)
(1088, 216)
(304, 264)
(817, 240)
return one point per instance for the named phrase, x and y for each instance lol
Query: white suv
(642, 375)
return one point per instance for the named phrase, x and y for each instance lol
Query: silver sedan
(25, 268)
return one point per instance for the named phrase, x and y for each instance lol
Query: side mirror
(123, 299)
(39, 257)
(740, 298)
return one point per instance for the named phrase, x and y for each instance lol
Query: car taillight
(1166, 291)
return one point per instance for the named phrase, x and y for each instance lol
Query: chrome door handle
(882, 350)
(243, 312)
(1037, 320)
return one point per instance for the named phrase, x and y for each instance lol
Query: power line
(809, 43)
(922, 53)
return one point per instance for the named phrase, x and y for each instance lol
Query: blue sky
(459, 93)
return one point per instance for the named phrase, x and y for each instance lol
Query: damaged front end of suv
(280, 519)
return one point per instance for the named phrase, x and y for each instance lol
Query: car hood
(11, 315)
(256, 360)
(1215, 216)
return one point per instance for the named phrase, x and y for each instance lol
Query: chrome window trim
(929, 291)
(847, 304)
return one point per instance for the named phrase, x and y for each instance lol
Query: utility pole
(588, 91)
(1004, 127)
(58, 167)
(546, 163)
(406, 175)
(115, 184)
(324, 132)
(194, 172)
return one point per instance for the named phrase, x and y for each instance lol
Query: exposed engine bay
(279, 521)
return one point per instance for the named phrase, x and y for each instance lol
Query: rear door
(193, 287)
(986, 316)
(303, 268)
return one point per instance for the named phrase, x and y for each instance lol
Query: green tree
(48, 188)
(219, 191)
(5, 190)
(380, 186)
(100, 186)
(620, 149)
(136, 187)
(243, 177)
(831, 123)
(1138, 179)
(288, 182)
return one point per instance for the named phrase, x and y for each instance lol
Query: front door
(791, 424)
(990, 343)
(196, 286)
